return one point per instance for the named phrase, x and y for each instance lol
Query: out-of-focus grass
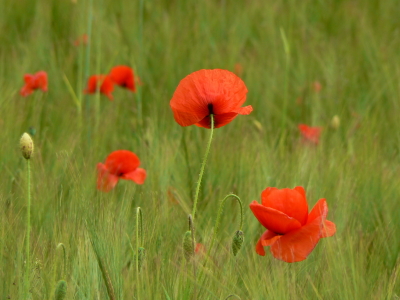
(350, 47)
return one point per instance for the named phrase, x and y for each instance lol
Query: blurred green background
(350, 47)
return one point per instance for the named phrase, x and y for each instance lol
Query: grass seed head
(61, 290)
(188, 245)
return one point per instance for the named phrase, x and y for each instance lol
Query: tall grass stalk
(140, 64)
(87, 64)
(286, 47)
(139, 243)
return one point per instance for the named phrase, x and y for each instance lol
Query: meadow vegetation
(351, 47)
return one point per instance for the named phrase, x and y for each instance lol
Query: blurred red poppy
(120, 164)
(291, 232)
(200, 249)
(205, 92)
(82, 40)
(34, 82)
(124, 77)
(238, 70)
(101, 82)
(317, 86)
(310, 134)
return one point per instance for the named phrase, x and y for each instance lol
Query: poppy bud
(141, 256)
(335, 123)
(188, 245)
(26, 145)
(237, 241)
(61, 290)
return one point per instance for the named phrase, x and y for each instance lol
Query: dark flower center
(210, 109)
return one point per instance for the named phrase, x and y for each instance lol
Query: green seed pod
(237, 241)
(141, 256)
(26, 145)
(61, 290)
(188, 245)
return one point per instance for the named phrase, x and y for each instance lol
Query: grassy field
(351, 47)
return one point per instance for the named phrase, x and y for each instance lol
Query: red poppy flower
(291, 232)
(123, 76)
(34, 82)
(310, 134)
(82, 40)
(120, 164)
(102, 82)
(205, 92)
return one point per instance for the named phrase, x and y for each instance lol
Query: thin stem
(286, 47)
(28, 230)
(139, 92)
(138, 220)
(87, 61)
(191, 228)
(140, 215)
(196, 197)
(233, 295)
(220, 210)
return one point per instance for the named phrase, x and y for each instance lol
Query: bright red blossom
(101, 82)
(291, 232)
(34, 82)
(205, 92)
(124, 77)
(120, 164)
(310, 134)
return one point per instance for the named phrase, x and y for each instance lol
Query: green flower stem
(139, 243)
(218, 220)
(28, 231)
(196, 197)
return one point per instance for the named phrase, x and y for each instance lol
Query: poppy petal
(219, 120)
(270, 238)
(246, 110)
(26, 91)
(297, 245)
(187, 118)
(266, 239)
(329, 229)
(259, 247)
(291, 202)
(28, 78)
(105, 180)
(320, 209)
(265, 193)
(121, 162)
(41, 80)
(206, 92)
(138, 176)
(273, 219)
(123, 76)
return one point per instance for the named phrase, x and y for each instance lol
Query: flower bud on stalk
(26, 145)
(237, 241)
